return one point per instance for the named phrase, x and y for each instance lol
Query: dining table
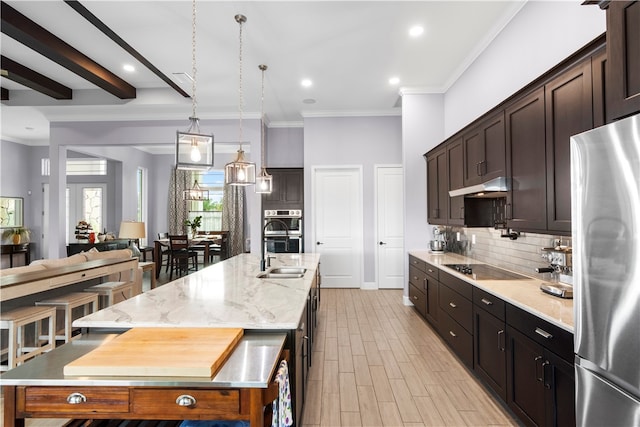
(206, 242)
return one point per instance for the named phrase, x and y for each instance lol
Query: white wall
(365, 141)
(539, 37)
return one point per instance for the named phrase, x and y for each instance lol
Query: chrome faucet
(266, 262)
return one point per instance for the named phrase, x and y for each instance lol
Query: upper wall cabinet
(623, 58)
(484, 151)
(569, 111)
(526, 199)
(288, 189)
(437, 187)
(455, 172)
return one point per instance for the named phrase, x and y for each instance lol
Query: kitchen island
(228, 295)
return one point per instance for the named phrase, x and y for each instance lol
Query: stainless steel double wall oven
(283, 231)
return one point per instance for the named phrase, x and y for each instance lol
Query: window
(86, 166)
(210, 210)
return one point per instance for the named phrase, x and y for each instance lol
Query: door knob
(382, 243)
(319, 243)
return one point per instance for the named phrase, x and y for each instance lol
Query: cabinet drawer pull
(430, 270)
(415, 297)
(186, 400)
(452, 334)
(486, 301)
(76, 398)
(543, 333)
(452, 305)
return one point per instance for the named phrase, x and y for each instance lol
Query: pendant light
(240, 172)
(194, 150)
(264, 182)
(195, 193)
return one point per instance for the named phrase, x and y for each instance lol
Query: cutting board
(159, 352)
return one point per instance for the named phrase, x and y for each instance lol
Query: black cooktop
(485, 272)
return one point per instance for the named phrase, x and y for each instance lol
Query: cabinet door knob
(186, 400)
(76, 398)
(319, 243)
(382, 243)
(452, 305)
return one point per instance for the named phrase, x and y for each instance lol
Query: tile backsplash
(521, 255)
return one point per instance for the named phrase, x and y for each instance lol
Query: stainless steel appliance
(283, 231)
(605, 202)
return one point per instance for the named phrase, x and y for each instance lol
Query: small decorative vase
(194, 233)
(16, 239)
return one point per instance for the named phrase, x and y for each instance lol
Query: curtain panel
(233, 213)
(180, 181)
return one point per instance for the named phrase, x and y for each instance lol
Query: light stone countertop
(226, 294)
(525, 294)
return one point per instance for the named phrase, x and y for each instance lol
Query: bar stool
(15, 321)
(108, 291)
(65, 305)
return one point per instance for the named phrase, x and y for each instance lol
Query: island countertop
(227, 294)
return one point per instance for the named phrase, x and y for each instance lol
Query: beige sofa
(44, 264)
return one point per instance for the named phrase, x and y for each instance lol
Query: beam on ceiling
(86, 14)
(32, 35)
(34, 80)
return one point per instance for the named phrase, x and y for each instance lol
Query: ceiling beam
(34, 80)
(32, 35)
(86, 14)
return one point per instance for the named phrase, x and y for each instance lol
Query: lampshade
(131, 230)
(240, 172)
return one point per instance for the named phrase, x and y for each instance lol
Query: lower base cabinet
(489, 343)
(540, 383)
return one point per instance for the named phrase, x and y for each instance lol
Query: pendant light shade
(194, 150)
(195, 193)
(240, 171)
(264, 182)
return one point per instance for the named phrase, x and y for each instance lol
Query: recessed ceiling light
(416, 31)
(309, 101)
(306, 82)
(129, 68)
(394, 80)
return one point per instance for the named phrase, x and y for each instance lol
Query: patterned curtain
(177, 210)
(233, 217)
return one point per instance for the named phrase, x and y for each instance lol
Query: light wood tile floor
(376, 362)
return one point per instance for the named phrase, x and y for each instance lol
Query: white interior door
(338, 225)
(390, 227)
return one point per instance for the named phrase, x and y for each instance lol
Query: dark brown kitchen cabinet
(484, 151)
(288, 189)
(437, 187)
(540, 378)
(455, 174)
(569, 111)
(423, 289)
(489, 341)
(623, 59)
(526, 208)
(598, 77)
(456, 316)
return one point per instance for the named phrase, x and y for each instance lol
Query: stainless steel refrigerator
(605, 201)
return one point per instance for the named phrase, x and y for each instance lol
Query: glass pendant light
(264, 182)
(194, 150)
(240, 172)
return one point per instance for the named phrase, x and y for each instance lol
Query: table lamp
(132, 230)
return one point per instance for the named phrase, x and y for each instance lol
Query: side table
(151, 268)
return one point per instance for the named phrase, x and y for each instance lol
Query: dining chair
(164, 252)
(180, 254)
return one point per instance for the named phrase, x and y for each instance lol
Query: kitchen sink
(287, 270)
(283, 273)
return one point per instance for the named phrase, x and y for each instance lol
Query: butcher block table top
(159, 352)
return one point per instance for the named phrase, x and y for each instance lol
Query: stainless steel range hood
(496, 187)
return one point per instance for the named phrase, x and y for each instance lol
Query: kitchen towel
(282, 414)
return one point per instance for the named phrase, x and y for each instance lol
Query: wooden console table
(23, 284)
(240, 390)
(20, 248)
